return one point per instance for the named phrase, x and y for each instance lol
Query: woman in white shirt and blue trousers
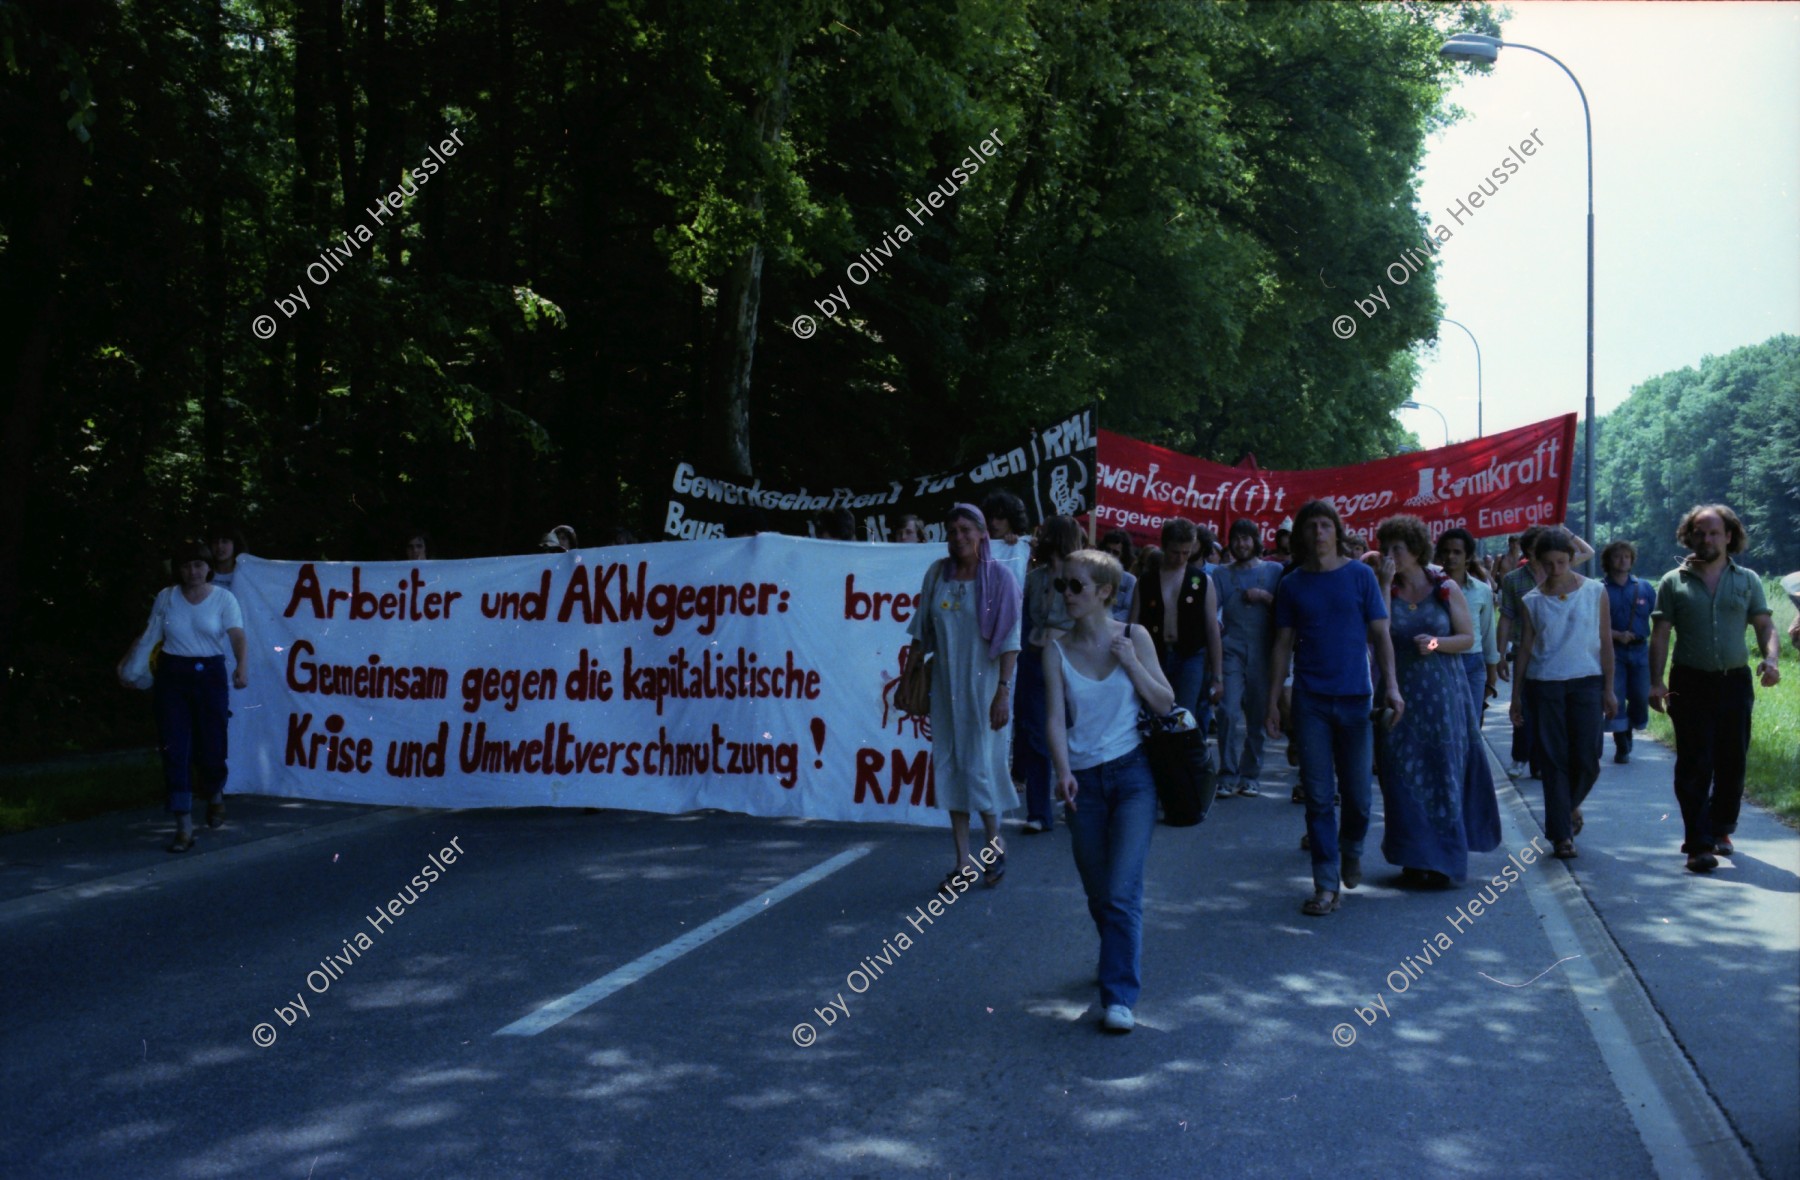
(1095, 679)
(194, 620)
(1565, 663)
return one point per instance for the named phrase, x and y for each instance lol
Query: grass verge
(1773, 779)
(40, 798)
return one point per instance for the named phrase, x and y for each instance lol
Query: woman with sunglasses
(1095, 679)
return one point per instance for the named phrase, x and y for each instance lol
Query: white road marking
(1680, 1123)
(557, 1011)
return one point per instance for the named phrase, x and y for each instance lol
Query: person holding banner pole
(967, 620)
(1044, 619)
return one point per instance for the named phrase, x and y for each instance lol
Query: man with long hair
(1329, 617)
(1707, 601)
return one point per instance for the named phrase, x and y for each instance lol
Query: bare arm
(1527, 636)
(1137, 655)
(1462, 624)
(239, 648)
(1770, 645)
(1659, 653)
(1279, 658)
(1215, 644)
(1609, 701)
(1503, 629)
(1382, 644)
(1000, 712)
(1056, 730)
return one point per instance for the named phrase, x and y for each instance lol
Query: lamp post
(1470, 47)
(1477, 345)
(1409, 404)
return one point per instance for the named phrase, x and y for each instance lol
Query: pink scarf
(996, 590)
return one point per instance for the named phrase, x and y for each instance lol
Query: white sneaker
(1118, 1019)
(1518, 770)
(1249, 791)
(1031, 825)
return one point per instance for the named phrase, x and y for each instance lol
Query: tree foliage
(603, 278)
(1726, 432)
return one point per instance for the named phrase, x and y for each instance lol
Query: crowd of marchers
(1050, 662)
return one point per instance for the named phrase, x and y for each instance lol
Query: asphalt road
(126, 1044)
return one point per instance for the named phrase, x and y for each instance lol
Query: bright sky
(1696, 111)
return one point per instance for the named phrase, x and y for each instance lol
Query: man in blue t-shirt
(1329, 617)
(1630, 600)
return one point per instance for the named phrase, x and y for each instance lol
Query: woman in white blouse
(194, 620)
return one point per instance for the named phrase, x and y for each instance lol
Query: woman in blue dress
(1436, 790)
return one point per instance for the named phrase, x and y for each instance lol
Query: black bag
(1181, 762)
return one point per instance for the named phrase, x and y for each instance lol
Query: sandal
(1317, 906)
(992, 877)
(1565, 850)
(215, 814)
(183, 842)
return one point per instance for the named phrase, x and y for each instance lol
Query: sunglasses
(1070, 585)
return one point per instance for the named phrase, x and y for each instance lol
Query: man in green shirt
(1707, 601)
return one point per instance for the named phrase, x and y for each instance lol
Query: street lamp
(1477, 345)
(1470, 47)
(1409, 404)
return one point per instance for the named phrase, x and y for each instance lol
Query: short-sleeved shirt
(1480, 597)
(1245, 626)
(1566, 632)
(1330, 613)
(1630, 605)
(1514, 586)
(196, 631)
(1709, 628)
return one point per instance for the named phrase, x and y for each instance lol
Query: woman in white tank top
(1565, 664)
(1094, 680)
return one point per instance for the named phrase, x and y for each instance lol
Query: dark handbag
(913, 694)
(1182, 765)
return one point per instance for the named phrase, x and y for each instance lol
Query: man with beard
(1707, 601)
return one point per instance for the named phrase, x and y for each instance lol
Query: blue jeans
(1187, 676)
(1110, 826)
(1631, 685)
(1337, 741)
(1030, 748)
(191, 714)
(1241, 717)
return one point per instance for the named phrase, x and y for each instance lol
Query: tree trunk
(740, 299)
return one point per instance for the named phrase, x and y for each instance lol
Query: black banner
(1053, 471)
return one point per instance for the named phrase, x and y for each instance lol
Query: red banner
(1491, 486)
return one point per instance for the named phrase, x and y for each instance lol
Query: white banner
(752, 675)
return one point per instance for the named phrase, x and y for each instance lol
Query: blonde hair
(1103, 566)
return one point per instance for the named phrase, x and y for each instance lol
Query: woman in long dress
(967, 620)
(1436, 790)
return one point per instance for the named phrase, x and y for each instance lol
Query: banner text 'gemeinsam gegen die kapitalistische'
(1491, 486)
(753, 675)
(1051, 469)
